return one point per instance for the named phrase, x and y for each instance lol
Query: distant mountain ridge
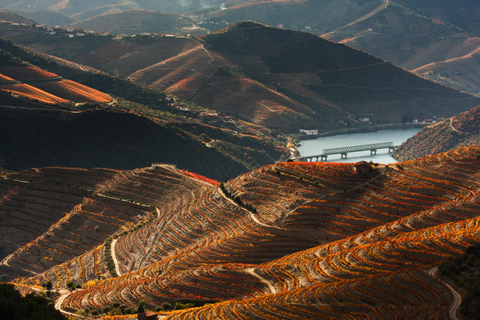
(132, 22)
(435, 39)
(253, 71)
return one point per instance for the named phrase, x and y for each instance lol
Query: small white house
(309, 132)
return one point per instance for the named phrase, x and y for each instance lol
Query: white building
(309, 132)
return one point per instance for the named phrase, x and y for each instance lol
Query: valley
(147, 159)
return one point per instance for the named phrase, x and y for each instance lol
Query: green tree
(14, 306)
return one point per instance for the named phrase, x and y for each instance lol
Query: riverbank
(392, 126)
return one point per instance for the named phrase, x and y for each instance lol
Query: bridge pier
(343, 151)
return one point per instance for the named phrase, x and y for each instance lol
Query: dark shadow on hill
(37, 138)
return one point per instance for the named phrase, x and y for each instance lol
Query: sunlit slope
(459, 131)
(67, 212)
(44, 86)
(322, 240)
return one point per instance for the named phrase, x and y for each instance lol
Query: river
(397, 136)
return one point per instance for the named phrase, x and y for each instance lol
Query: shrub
(166, 306)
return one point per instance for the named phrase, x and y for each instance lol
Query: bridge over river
(343, 151)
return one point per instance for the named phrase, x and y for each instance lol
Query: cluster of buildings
(67, 32)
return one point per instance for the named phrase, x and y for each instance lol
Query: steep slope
(232, 146)
(47, 87)
(21, 79)
(347, 80)
(427, 45)
(84, 207)
(313, 16)
(401, 36)
(462, 13)
(459, 131)
(11, 17)
(103, 139)
(324, 242)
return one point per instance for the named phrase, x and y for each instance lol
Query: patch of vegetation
(237, 199)
(14, 306)
(465, 272)
(109, 258)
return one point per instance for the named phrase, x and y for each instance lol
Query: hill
(314, 16)
(459, 131)
(81, 10)
(348, 81)
(133, 22)
(462, 13)
(45, 17)
(310, 240)
(427, 45)
(103, 139)
(253, 72)
(47, 87)
(224, 146)
(11, 17)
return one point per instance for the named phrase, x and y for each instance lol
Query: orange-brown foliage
(74, 91)
(32, 93)
(200, 177)
(23, 73)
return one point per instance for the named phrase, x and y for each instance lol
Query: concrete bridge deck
(343, 151)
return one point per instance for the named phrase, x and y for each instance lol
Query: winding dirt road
(457, 299)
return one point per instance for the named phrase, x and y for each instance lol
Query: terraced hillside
(438, 41)
(47, 87)
(459, 131)
(56, 214)
(289, 240)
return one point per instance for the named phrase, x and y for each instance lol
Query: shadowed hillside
(46, 17)
(317, 16)
(323, 241)
(85, 9)
(103, 139)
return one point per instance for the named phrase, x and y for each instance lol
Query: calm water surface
(397, 136)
